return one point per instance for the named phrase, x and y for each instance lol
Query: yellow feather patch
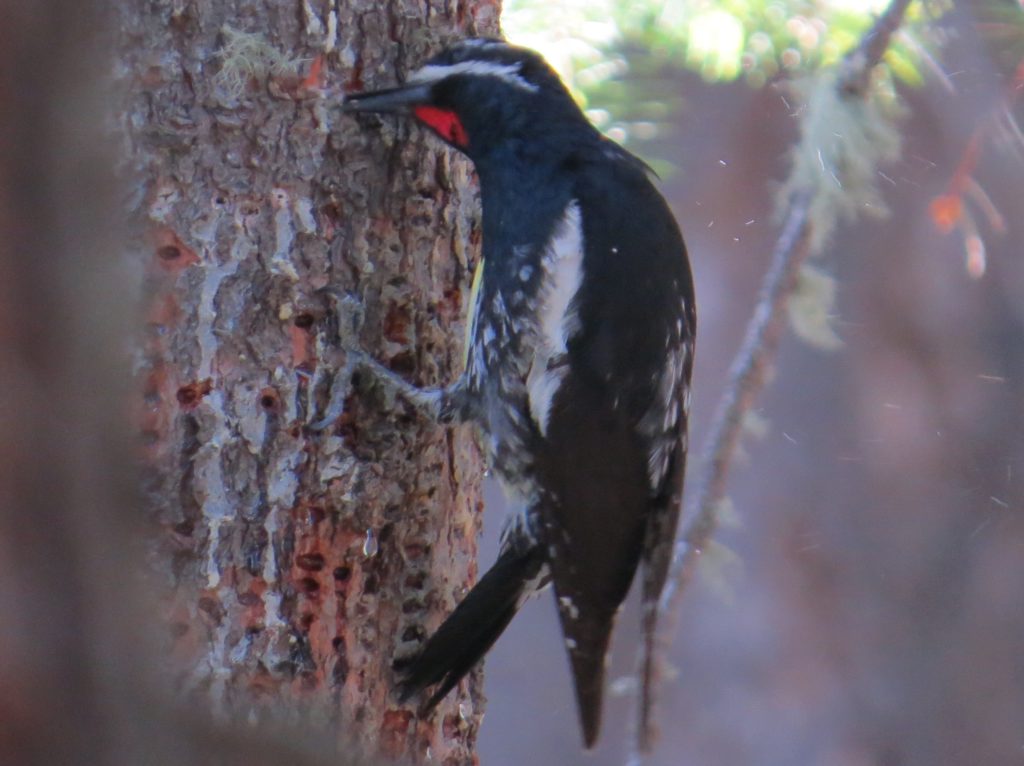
(474, 298)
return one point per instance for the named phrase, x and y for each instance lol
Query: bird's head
(482, 96)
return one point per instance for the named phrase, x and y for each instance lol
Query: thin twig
(749, 368)
(746, 378)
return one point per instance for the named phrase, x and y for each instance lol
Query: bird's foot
(364, 372)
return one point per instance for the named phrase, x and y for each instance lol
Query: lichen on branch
(843, 142)
(842, 103)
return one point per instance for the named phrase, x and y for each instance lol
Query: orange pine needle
(946, 212)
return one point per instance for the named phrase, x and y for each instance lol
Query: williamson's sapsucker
(578, 370)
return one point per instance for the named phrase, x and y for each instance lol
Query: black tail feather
(589, 636)
(470, 631)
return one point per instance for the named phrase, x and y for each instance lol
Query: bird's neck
(522, 198)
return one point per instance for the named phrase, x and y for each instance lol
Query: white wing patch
(562, 262)
(508, 73)
(542, 384)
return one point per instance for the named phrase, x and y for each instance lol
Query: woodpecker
(580, 349)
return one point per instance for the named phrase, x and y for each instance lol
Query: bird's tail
(588, 634)
(464, 638)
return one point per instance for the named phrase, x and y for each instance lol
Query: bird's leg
(449, 404)
(443, 405)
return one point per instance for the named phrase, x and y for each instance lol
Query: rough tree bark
(299, 562)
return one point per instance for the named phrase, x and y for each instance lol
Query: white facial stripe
(508, 73)
(562, 263)
(480, 42)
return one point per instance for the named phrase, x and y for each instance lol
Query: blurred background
(864, 601)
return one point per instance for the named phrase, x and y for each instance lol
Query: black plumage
(578, 370)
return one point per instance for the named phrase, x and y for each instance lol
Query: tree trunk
(299, 562)
(63, 451)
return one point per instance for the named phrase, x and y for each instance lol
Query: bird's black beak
(388, 100)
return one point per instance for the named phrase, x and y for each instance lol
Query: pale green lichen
(844, 139)
(248, 56)
(728, 516)
(721, 569)
(812, 309)
(756, 425)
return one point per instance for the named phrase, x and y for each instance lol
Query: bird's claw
(344, 320)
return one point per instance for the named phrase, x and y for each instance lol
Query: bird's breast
(524, 316)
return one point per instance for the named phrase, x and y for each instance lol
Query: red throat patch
(443, 122)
